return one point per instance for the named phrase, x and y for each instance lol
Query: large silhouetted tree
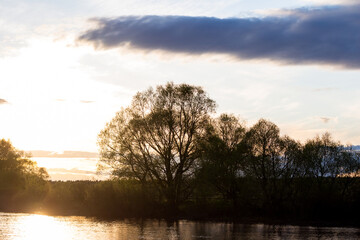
(155, 139)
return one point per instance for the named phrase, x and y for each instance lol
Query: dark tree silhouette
(223, 156)
(21, 180)
(325, 160)
(271, 159)
(155, 139)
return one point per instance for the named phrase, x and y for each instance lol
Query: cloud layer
(328, 35)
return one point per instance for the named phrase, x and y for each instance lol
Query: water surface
(40, 227)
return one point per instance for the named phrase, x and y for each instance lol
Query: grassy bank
(306, 204)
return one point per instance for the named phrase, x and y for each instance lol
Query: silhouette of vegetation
(169, 158)
(271, 160)
(167, 141)
(154, 140)
(21, 181)
(223, 141)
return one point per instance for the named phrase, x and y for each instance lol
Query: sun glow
(53, 101)
(41, 227)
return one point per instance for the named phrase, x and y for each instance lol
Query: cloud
(71, 171)
(328, 119)
(327, 35)
(62, 174)
(81, 101)
(324, 89)
(325, 119)
(65, 154)
(332, 2)
(3, 101)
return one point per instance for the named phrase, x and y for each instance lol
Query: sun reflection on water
(18, 226)
(40, 227)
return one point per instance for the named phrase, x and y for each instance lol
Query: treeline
(197, 165)
(263, 174)
(168, 157)
(259, 169)
(314, 186)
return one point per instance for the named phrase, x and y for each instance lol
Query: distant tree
(155, 139)
(349, 171)
(325, 158)
(223, 156)
(271, 159)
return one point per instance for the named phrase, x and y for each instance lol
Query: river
(41, 227)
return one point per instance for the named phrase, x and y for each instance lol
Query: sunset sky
(67, 66)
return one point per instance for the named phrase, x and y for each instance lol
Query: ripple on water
(40, 227)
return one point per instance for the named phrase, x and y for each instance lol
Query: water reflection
(39, 227)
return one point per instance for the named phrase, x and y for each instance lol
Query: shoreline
(242, 221)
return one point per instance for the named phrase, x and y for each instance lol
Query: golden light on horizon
(70, 168)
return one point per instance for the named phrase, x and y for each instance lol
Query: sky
(67, 66)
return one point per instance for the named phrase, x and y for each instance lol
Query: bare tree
(325, 160)
(154, 140)
(271, 159)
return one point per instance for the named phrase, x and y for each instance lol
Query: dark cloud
(328, 35)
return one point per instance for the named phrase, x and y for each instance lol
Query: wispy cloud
(65, 154)
(328, 119)
(86, 101)
(324, 89)
(325, 119)
(332, 2)
(73, 171)
(3, 101)
(81, 101)
(327, 35)
(74, 174)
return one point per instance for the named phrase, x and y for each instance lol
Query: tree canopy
(167, 139)
(155, 139)
(21, 180)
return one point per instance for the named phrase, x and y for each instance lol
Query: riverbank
(127, 199)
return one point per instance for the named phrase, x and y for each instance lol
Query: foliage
(20, 178)
(222, 156)
(155, 139)
(170, 158)
(270, 159)
(168, 144)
